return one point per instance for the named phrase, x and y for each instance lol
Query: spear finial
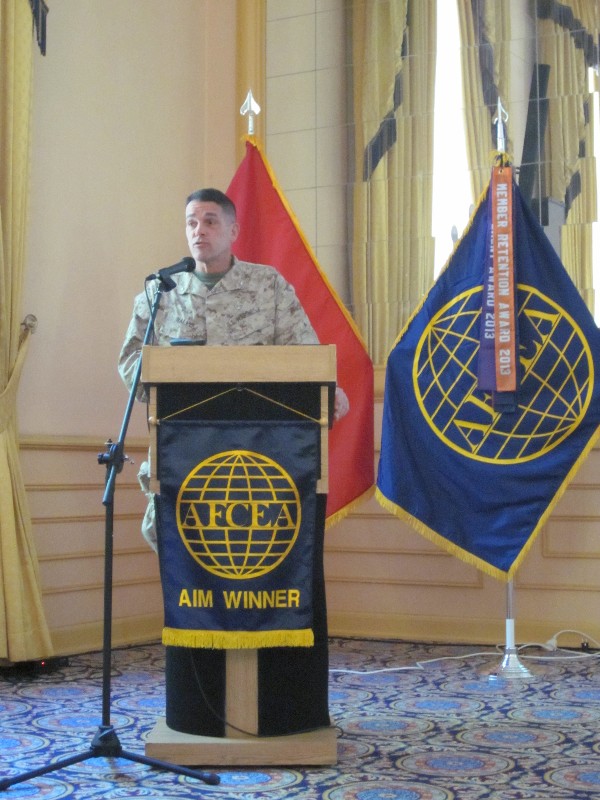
(251, 108)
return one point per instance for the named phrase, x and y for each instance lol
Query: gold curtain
(567, 40)
(485, 60)
(23, 630)
(393, 79)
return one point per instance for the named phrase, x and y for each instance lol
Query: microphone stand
(105, 743)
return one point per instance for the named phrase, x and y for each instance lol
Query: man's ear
(235, 231)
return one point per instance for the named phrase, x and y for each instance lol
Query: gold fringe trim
(439, 540)
(237, 640)
(465, 555)
(557, 496)
(343, 512)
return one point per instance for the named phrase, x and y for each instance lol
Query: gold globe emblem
(557, 380)
(239, 514)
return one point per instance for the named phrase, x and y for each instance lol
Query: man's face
(210, 234)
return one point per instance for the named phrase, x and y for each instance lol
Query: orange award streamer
(504, 280)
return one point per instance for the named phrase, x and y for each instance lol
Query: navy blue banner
(477, 478)
(236, 516)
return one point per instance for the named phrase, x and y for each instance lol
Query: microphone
(185, 265)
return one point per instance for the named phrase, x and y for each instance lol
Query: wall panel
(65, 487)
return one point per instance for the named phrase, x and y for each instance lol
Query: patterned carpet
(416, 722)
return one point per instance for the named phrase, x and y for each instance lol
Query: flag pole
(511, 666)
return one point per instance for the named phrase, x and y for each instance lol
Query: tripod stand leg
(106, 745)
(207, 777)
(35, 773)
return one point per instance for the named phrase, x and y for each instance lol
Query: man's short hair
(214, 196)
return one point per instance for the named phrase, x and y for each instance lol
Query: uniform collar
(189, 283)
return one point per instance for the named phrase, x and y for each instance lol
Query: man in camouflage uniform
(225, 301)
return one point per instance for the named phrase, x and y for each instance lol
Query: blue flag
(479, 478)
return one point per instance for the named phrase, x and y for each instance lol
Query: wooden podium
(183, 380)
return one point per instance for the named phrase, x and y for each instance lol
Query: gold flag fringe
(237, 640)
(343, 512)
(438, 539)
(465, 555)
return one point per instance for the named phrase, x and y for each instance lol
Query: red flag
(270, 234)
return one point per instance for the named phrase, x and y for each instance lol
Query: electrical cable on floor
(552, 646)
(419, 665)
(549, 646)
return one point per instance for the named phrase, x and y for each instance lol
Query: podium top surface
(239, 364)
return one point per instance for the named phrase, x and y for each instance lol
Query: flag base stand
(510, 667)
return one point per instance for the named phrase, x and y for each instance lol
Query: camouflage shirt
(251, 304)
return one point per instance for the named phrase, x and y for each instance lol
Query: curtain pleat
(568, 42)
(23, 630)
(484, 27)
(393, 79)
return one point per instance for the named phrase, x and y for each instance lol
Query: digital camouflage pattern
(251, 304)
